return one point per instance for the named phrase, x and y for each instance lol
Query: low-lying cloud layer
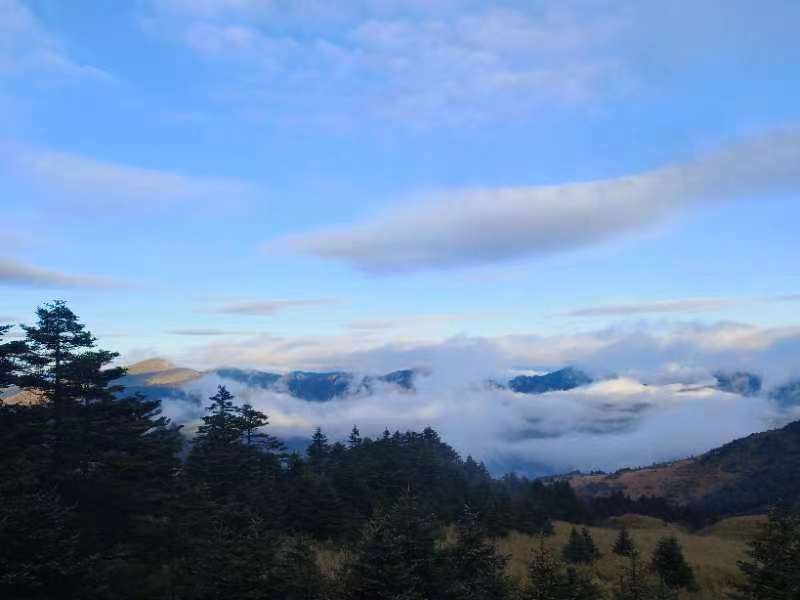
(482, 226)
(654, 398)
(607, 425)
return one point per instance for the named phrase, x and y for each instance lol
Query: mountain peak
(150, 365)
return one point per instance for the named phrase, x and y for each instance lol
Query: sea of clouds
(654, 398)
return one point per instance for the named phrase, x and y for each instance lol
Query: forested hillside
(101, 497)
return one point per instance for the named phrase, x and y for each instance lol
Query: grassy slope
(713, 553)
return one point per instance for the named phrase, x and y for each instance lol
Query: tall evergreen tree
(354, 439)
(395, 557)
(544, 575)
(624, 544)
(671, 566)
(9, 354)
(633, 582)
(60, 362)
(318, 451)
(772, 570)
(475, 569)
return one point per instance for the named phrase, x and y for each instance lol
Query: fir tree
(590, 550)
(60, 364)
(9, 354)
(544, 575)
(772, 570)
(633, 583)
(395, 556)
(297, 574)
(475, 569)
(575, 551)
(354, 439)
(624, 544)
(39, 555)
(671, 566)
(317, 451)
(577, 585)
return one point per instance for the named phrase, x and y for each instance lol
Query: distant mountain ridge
(157, 376)
(743, 476)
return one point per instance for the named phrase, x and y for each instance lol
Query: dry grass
(713, 552)
(712, 557)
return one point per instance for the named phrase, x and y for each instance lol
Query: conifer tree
(9, 354)
(590, 550)
(772, 570)
(317, 451)
(624, 544)
(475, 569)
(633, 582)
(395, 557)
(354, 439)
(60, 362)
(251, 421)
(578, 585)
(297, 574)
(671, 566)
(544, 575)
(574, 550)
(39, 554)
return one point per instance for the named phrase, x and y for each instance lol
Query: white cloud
(25, 46)
(425, 62)
(601, 426)
(16, 273)
(683, 305)
(270, 307)
(85, 181)
(481, 226)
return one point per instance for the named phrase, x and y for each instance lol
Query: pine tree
(395, 556)
(475, 569)
(590, 550)
(772, 570)
(575, 551)
(624, 544)
(354, 439)
(60, 362)
(9, 354)
(544, 575)
(297, 574)
(39, 555)
(577, 585)
(633, 583)
(251, 420)
(318, 451)
(671, 566)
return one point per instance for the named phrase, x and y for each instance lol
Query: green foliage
(395, 556)
(624, 544)
(95, 503)
(671, 566)
(580, 548)
(633, 582)
(9, 354)
(772, 570)
(475, 569)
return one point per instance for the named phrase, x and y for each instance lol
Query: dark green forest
(102, 497)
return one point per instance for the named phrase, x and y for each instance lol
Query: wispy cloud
(16, 273)
(481, 226)
(85, 181)
(28, 47)
(270, 307)
(684, 305)
(208, 332)
(411, 61)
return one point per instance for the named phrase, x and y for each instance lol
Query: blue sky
(299, 183)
